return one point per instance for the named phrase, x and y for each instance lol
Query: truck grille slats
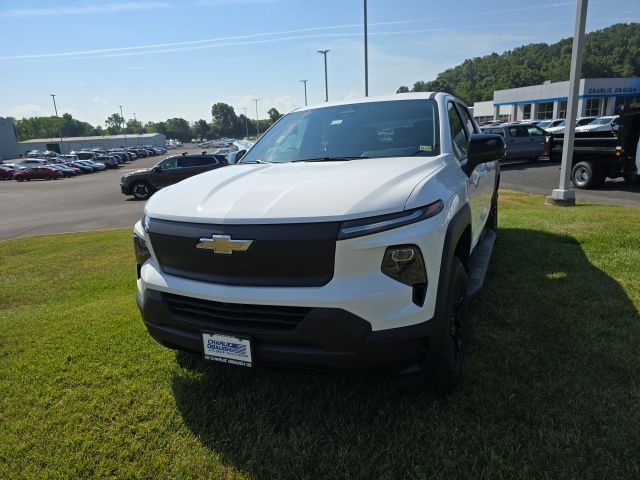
(236, 315)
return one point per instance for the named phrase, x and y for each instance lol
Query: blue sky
(171, 58)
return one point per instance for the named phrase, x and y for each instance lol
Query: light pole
(564, 194)
(55, 108)
(123, 129)
(257, 121)
(326, 84)
(246, 125)
(305, 92)
(366, 56)
(135, 119)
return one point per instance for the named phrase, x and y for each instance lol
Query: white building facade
(596, 97)
(69, 144)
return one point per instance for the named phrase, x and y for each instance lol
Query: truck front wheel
(445, 370)
(585, 175)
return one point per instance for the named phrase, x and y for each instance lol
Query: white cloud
(99, 99)
(83, 10)
(25, 110)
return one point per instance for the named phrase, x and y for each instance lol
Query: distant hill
(611, 52)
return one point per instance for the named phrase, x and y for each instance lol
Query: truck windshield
(602, 121)
(398, 128)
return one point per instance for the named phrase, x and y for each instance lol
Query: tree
(224, 118)
(178, 128)
(114, 124)
(402, 89)
(200, 129)
(274, 114)
(134, 126)
(611, 52)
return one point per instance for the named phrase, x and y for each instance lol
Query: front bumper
(328, 340)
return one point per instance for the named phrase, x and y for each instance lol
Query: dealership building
(69, 144)
(596, 97)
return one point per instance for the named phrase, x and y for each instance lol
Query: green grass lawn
(551, 388)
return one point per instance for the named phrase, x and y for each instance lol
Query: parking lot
(94, 201)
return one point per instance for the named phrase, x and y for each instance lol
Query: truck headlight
(404, 263)
(141, 251)
(370, 225)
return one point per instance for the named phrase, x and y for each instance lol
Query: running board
(480, 262)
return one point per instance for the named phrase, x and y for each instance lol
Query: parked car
(580, 121)
(6, 173)
(83, 167)
(522, 141)
(602, 124)
(98, 166)
(33, 173)
(545, 124)
(66, 171)
(336, 250)
(33, 162)
(108, 161)
(558, 128)
(35, 154)
(143, 183)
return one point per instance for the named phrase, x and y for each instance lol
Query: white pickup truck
(349, 238)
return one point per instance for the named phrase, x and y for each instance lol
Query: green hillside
(611, 52)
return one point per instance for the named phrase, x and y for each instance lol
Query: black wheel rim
(457, 326)
(140, 191)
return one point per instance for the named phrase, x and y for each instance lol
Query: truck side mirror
(483, 148)
(240, 155)
(157, 168)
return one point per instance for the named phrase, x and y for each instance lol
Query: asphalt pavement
(94, 201)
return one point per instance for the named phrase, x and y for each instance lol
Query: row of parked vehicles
(49, 165)
(604, 147)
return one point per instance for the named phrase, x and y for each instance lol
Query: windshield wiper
(255, 161)
(327, 159)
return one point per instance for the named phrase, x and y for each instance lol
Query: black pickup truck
(599, 155)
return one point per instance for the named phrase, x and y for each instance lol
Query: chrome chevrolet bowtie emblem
(223, 244)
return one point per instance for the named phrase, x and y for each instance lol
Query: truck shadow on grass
(551, 386)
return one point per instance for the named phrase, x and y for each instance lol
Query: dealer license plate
(226, 349)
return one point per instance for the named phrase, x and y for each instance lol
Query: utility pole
(55, 108)
(326, 84)
(246, 125)
(366, 56)
(305, 92)
(564, 195)
(257, 121)
(137, 129)
(123, 129)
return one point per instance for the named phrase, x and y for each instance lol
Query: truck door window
(169, 163)
(535, 131)
(458, 132)
(466, 118)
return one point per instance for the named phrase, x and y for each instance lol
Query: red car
(6, 173)
(45, 173)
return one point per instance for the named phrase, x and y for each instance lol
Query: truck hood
(294, 192)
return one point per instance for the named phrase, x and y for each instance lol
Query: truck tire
(445, 370)
(47, 177)
(586, 175)
(141, 190)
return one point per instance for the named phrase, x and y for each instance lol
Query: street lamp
(55, 108)
(135, 119)
(257, 121)
(366, 56)
(326, 84)
(305, 92)
(123, 129)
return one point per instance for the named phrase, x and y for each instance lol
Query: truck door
(481, 180)
(536, 141)
(517, 142)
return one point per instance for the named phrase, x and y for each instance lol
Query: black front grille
(282, 255)
(236, 315)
